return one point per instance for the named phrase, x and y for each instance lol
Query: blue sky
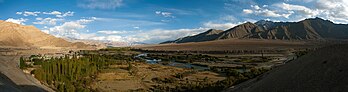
(153, 21)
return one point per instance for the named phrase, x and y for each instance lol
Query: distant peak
(316, 18)
(319, 18)
(248, 23)
(213, 31)
(263, 21)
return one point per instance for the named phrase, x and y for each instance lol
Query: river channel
(170, 63)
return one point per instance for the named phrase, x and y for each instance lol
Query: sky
(154, 21)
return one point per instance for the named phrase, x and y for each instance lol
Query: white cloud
(69, 13)
(114, 38)
(128, 22)
(160, 35)
(69, 29)
(270, 13)
(256, 7)
(60, 14)
(158, 12)
(100, 4)
(17, 21)
(151, 36)
(47, 21)
(266, 12)
(19, 13)
(56, 13)
(38, 18)
(222, 26)
(335, 10)
(301, 9)
(93, 36)
(53, 13)
(165, 14)
(247, 11)
(109, 32)
(28, 13)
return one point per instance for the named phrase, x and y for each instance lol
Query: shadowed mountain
(15, 35)
(324, 70)
(308, 29)
(209, 35)
(246, 30)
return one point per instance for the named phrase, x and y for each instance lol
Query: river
(170, 63)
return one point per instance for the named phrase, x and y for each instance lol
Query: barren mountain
(205, 36)
(308, 29)
(15, 35)
(245, 30)
(324, 70)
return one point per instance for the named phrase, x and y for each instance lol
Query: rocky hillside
(324, 70)
(209, 35)
(308, 29)
(15, 35)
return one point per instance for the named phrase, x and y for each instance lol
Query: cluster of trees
(22, 64)
(233, 77)
(36, 60)
(72, 73)
(67, 74)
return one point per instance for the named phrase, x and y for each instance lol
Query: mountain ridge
(308, 29)
(205, 36)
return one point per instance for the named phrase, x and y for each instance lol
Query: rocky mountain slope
(324, 70)
(308, 29)
(205, 36)
(15, 35)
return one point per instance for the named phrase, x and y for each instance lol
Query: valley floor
(158, 70)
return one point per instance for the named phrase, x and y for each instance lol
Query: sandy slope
(324, 70)
(16, 35)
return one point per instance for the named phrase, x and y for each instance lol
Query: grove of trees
(72, 73)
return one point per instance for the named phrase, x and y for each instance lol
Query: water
(170, 63)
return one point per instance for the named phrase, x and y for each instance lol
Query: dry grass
(119, 79)
(213, 77)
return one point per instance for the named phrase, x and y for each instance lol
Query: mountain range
(308, 29)
(16, 35)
